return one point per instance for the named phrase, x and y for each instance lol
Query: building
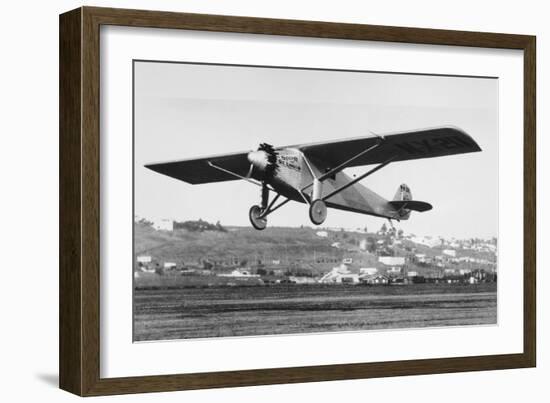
(144, 259)
(427, 241)
(333, 275)
(376, 279)
(241, 273)
(302, 279)
(421, 258)
(394, 270)
(322, 234)
(369, 271)
(169, 265)
(340, 274)
(164, 224)
(449, 252)
(392, 260)
(349, 279)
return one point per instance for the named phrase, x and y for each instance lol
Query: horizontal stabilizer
(410, 205)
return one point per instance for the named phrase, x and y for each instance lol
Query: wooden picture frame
(79, 280)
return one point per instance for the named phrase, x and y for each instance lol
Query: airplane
(313, 173)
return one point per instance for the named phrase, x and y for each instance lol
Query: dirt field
(164, 314)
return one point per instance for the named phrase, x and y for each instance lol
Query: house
(163, 224)
(369, 271)
(449, 252)
(427, 241)
(169, 265)
(144, 263)
(322, 234)
(349, 279)
(340, 274)
(420, 257)
(144, 259)
(241, 273)
(394, 270)
(392, 260)
(375, 279)
(302, 279)
(333, 275)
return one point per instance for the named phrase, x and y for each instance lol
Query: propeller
(272, 166)
(265, 160)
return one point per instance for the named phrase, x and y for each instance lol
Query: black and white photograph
(242, 201)
(273, 200)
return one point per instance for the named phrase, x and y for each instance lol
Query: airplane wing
(196, 171)
(403, 146)
(426, 143)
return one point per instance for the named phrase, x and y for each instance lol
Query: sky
(186, 111)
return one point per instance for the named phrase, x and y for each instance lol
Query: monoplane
(314, 173)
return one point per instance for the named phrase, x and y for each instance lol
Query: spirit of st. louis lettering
(436, 144)
(290, 161)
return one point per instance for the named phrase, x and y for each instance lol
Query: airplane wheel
(318, 212)
(254, 216)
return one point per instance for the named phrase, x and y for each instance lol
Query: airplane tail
(404, 203)
(403, 193)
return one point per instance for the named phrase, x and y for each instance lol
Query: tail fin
(403, 202)
(403, 193)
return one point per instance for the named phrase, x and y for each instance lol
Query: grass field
(165, 314)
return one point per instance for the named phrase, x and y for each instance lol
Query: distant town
(169, 253)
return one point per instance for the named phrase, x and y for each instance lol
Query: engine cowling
(264, 160)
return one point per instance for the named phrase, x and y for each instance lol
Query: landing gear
(256, 219)
(258, 214)
(317, 212)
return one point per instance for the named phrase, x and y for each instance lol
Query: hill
(277, 246)
(307, 251)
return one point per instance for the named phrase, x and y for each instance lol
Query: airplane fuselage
(293, 179)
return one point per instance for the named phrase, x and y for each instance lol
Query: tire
(254, 214)
(318, 212)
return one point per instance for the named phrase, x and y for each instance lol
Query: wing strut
(227, 171)
(345, 164)
(317, 181)
(353, 182)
